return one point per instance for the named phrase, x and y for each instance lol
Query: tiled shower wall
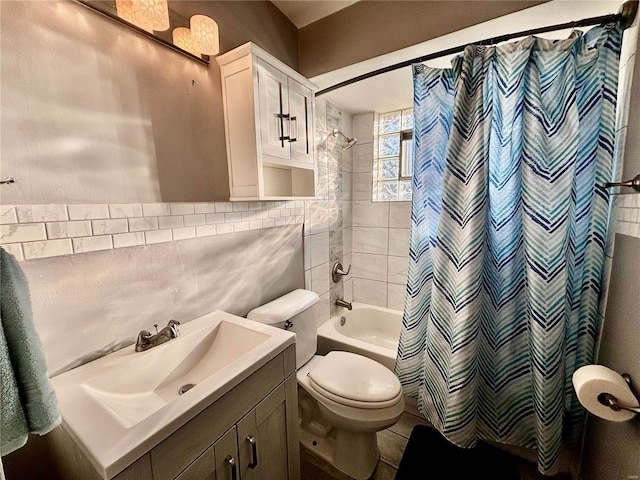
(379, 234)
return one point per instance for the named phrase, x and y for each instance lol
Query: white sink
(120, 406)
(140, 387)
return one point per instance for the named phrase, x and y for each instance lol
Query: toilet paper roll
(592, 380)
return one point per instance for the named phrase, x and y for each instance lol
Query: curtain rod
(625, 16)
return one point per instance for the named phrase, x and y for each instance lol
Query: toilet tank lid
(284, 308)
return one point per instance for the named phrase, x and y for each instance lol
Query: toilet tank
(297, 312)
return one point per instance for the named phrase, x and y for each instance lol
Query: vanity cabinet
(250, 433)
(269, 127)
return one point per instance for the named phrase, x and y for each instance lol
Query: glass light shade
(152, 12)
(204, 34)
(182, 39)
(124, 9)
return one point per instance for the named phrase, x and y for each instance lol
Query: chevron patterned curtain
(509, 225)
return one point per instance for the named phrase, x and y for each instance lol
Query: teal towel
(28, 402)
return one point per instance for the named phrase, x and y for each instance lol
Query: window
(393, 156)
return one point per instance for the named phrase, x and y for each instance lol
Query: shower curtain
(508, 230)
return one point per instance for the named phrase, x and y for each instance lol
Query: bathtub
(368, 330)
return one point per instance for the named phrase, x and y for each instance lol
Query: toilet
(343, 398)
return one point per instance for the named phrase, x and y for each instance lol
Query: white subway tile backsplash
(92, 244)
(143, 224)
(47, 248)
(195, 219)
(184, 233)
(128, 239)
(240, 206)
(223, 207)
(88, 211)
(19, 232)
(175, 221)
(240, 226)
(125, 210)
(222, 228)
(181, 208)
(41, 213)
(69, 229)
(155, 209)
(8, 214)
(268, 223)
(255, 224)
(157, 236)
(279, 221)
(204, 208)
(208, 230)
(212, 218)
(247, 216)
(107, 227)
(232, 217)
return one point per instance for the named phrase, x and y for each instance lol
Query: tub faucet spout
(341, 303)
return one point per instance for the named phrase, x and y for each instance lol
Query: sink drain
(186, 388)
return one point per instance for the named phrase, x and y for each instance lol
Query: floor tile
(391, 447)
(407, 422)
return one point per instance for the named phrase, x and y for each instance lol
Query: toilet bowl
(343, 398)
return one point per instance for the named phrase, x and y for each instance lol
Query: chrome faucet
(341, 303)
(146, 340)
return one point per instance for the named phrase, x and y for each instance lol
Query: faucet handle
(337, 272)
(173, 325)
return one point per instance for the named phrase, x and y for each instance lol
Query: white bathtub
(368, 330)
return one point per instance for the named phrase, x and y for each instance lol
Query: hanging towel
(28, 402)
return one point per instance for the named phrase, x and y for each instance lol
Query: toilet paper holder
(611, 401)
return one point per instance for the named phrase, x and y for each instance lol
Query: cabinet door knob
(233, 466)
(254, 451)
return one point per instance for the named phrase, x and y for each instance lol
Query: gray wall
(370, 28)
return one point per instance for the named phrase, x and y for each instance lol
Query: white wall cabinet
(250, 433)
(269, 127)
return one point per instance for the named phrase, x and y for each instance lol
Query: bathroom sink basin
(118, 407)
(151, 379)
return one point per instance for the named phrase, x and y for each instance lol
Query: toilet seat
(354, 380)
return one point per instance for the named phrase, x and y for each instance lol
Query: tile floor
(392, 443)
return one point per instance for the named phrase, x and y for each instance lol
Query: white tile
(41, 213)
(223, 207)
(173, 221)
(347, 240)
(363, 158)
(122, 240)
(212, 218)
(27, 232)
(320, 279)
(8, 214)
(155, 209)
(232, 217)
(69, 229)
(362, 186)
(125, 210)
(106, 227)
(181, 208)
(222, 228)
(92, 244)
(370, 291)
(264, 214)
(316, 216)
(370, 240)
(399, 214)
(157, 236)
(14, 249)
(274, 213)
(347, 286)
(247, 216)
(254, 206)
(369, 214)
(324, 309)
(347, 216)
(208, 230)
(240, 226)
(307, 279)
(372, 267)
(347, 185)
(204, 208)
(255, 224)
(396, 296)
(363, 127)
(319, 249)
(279, 221)
(397, 270)
(184, 233)
(89, 211)
(399, 242)
(240, 206)
(196, 219)
(268, 223)
(306, 249)
(143, 224)
(48, 248)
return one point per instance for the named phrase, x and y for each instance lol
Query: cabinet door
(301, 118)
(262, 440)
(226, 457)
(275, 121)
(203, 468)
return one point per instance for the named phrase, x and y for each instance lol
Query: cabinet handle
(291, 129)
(283, 117)
(233, 466)
(254, 452)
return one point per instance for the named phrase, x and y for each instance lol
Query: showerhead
(348, 141)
